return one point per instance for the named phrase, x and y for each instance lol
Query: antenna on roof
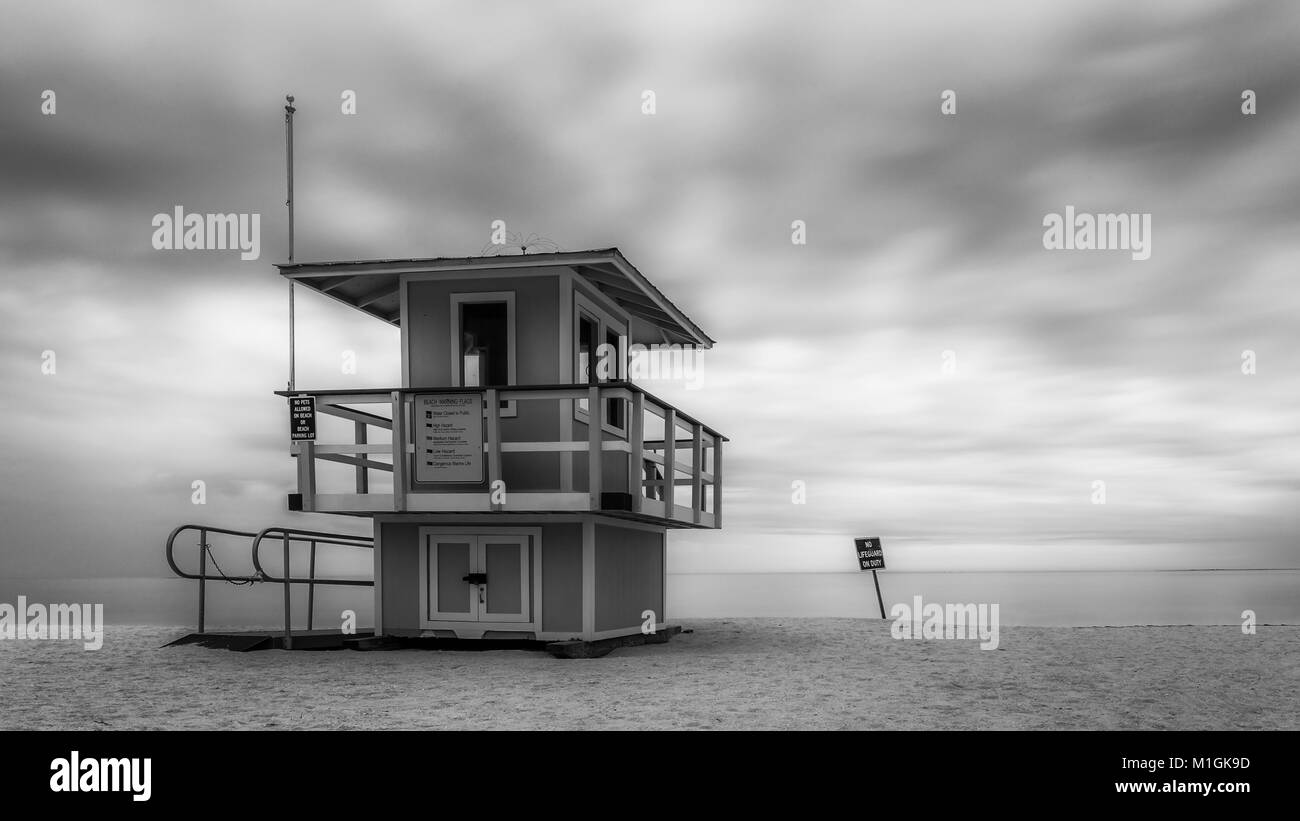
(288, 139)
(534, 243)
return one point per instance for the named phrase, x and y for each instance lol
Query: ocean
(1044, 599)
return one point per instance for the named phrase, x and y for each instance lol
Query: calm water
(1043, 599)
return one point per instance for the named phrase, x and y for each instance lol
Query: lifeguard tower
(521, 485)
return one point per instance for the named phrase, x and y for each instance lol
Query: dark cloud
(924, 237)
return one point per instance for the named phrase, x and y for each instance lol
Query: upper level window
(588, 330)
(599, 357)
(485, 347)
(615, 408)
(483, 341)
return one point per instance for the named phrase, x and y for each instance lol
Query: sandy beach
(728, 674)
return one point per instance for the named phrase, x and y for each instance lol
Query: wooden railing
(672, 473)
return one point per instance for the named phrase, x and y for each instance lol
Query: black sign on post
(302, 418)
(871, 556)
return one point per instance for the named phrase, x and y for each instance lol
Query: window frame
(605, 321)
(460, 298)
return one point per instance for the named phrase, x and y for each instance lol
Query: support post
(717, 481)
(311, 586)
(307, 474)
(636, 446)
(594, 414)
(203, 574)
(697, 472)
(363, 476)
(399, 452)
(670, 461)
(493, 443)
(588, 578)
(288, 630)
(879, 599)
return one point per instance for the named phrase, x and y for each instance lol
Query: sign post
(871, 556)
(302, 418)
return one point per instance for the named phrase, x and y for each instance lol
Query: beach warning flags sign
(302, 418)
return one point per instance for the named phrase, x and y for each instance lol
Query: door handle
(475, 578)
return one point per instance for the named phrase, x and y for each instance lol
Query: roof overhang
(372, 286)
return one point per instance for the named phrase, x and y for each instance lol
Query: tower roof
(372, 285)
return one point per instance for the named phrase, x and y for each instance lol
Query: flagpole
(288, 134)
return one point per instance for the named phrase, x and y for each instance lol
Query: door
(477, 578)
(450, 561)
(504, 594)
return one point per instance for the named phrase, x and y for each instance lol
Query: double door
(483, 578)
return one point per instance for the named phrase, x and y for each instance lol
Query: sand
(734, 674)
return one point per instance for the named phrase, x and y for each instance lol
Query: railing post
(697, 473)
(493, 443)
(203, 574)
(307, 474)
(595, 413)
(670, 459)
(636, 446)
(311, 586)
(363, 476)
(717, 481)
(566, 435)
(399, 452)
(288, 630)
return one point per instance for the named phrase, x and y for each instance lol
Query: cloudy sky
(924, 236)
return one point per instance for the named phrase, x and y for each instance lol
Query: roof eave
(608, 256)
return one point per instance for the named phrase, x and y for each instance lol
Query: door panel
(505, 560)
(451, 558)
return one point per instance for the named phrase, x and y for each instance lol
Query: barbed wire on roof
(517, 242)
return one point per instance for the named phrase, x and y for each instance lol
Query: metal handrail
(202, 575)
(204, 530)
(286, 534)
(314, 537)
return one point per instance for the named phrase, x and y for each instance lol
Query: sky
(924, 249)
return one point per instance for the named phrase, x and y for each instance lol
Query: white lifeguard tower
(521, 486)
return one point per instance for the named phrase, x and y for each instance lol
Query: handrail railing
(313, 537)
(649, 430)
(506, 391)
(202, 576)
(287, 536)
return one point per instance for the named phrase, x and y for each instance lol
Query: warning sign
(871, 553)
(449, 438)
(302, 418)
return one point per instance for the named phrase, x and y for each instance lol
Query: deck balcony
(536, 450)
